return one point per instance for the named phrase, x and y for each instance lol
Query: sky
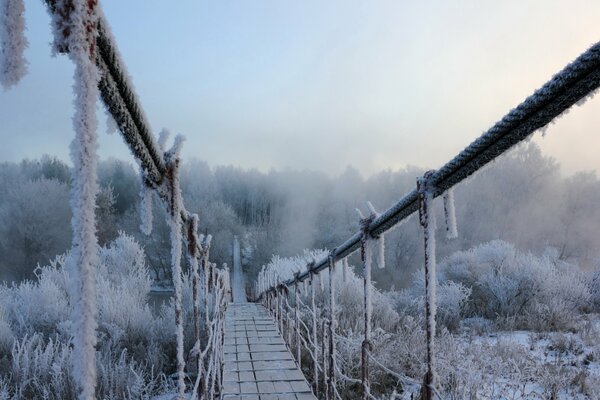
(318, 85)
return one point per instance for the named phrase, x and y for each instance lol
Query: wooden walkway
(257, 363)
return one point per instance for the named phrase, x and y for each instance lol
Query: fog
(522, 198)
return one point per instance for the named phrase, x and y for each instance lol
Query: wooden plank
(257, 363)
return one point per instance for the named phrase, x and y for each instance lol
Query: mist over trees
(521, 199)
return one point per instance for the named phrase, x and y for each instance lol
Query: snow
(13, 42)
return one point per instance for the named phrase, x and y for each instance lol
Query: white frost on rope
(429, 226)
(13, 65)
(146, 209)
(367, 289)
(81, 21)
(380, 241)
(175, 224)
(450, 215)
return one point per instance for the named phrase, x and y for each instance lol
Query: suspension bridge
(256, 350)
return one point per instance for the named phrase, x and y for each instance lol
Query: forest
(523, 199)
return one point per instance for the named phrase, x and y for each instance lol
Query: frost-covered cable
(450, 214)
(366, 258)
(427, 221)
(297, 325)
(193, 244)
(332, 326)
(176, 226)
(80, 21)
(13, 42)
(379, 239)
(315, 334)
(577, 81)
(205, 269)
(123, 101)
(324, 357)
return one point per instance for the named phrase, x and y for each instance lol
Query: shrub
(133, 347)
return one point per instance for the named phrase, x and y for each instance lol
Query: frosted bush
(133, 351)
(41, 367)
(452, 299)
(120, 377)
(537, 292)
(594, 287)
(36, 306)
(6, 335)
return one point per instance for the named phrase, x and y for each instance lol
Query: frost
(13, 42)
(450, 215)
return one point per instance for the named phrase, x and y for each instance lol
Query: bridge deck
(258, 365)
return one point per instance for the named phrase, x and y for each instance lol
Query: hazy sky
(319, 84)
